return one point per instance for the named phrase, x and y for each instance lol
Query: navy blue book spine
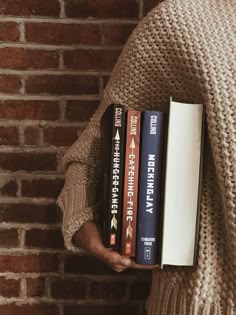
(150, 187)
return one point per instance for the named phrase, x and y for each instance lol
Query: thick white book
(182, 183)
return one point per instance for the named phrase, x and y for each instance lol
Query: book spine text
(113, 146)
(131, 183)
(149, 205)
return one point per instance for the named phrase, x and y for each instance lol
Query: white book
(182, 183)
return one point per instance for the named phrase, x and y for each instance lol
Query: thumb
(126, 261)
(116, 261)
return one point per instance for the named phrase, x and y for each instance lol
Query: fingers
(115, 261)
(137, 266)
(120, 263)
(89, 238)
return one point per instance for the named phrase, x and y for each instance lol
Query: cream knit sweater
(184, 49)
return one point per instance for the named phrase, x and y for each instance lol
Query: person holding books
(184, 49)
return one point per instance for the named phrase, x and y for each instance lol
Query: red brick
(9, 84)
(29, 213)
(102, 8)
(117, 34)
(44, 238)
(69, 289)
(9, 31)
(88, 59)
(28, 161)
(140, 289)
(9, 287)
(29, 263)
(50, 33)
(9, 136)
(29, 7)
(9, 238)
(90, 309)
(31, 136)
(60, 136)
(41, 187)
(62, 85)
(86, 265)
(80, 110)
(35, 287)
(150, 4)
(8, 187)
(33, 110)
(107, 290)
(23, 58)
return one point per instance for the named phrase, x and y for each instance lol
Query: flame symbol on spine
(114, 222)
(132, 144)
(129, 231)
(117, 137)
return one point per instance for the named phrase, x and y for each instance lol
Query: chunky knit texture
(184, 49)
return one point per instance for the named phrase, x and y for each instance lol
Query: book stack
(152, 164)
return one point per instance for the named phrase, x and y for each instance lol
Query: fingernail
(126, 262)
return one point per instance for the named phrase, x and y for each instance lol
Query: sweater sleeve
(77, 200)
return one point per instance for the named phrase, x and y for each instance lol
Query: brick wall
(55, 59)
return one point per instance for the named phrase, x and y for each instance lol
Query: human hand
(89, 239)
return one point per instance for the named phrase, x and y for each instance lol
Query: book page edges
(181, 200)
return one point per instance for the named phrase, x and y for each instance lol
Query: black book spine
(149, 205)
(113, 141)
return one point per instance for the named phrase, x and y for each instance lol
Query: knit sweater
(184, 49)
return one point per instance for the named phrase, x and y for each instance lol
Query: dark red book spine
(130, 197)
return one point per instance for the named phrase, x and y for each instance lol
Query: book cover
(150, 186)
(112, 145)
(182, 183)
(130, 201)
